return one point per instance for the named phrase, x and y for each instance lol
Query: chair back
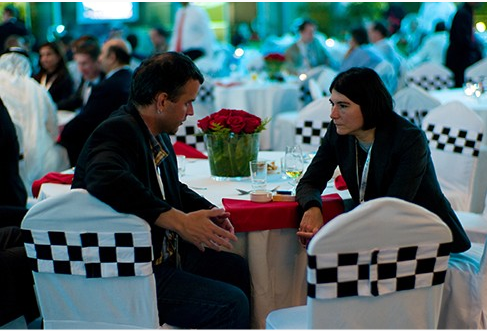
(190, 134)
(204, 104)
(430, 76)
(312, 123)
(315, 89)
(477, 72)
(92, 266)
(414, 103)
(388, 74)
(455, 136)
(380, 266)
(325, 79)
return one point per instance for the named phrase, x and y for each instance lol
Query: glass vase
(229, 155)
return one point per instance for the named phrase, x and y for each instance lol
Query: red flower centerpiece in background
(232, 141)
(274, 63)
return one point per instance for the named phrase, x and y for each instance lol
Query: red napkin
(51, 177)
(249, 216)
(340, 183)
(188, 151)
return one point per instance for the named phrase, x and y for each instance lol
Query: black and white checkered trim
(454, 140)
(376, 272)
(205, 94)
(93, 255)
(310, 132)
(415, 117)
(431, 82)
(190, 135)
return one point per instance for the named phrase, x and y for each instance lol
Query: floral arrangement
(232, 141)
(227, 121)
(274, 57)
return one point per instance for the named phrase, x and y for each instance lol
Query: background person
(379, 153)
(129, 163)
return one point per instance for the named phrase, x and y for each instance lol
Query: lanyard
(365, 172)
(47, 84)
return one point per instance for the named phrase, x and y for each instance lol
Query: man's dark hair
(359, 34)
(381, 28)
(122, 56)
(167, 72)
(364, 87)
(304, 23)
(87, 45)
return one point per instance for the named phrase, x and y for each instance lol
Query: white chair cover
(325, 79)
(204, 104)
(315, 89)
(477, 72)
(387, 73)
(475, 224)
(455, 134)
(383, 224)
(73, 301)
(464, 302)
(430, 76)
(414, 103)
(312, 123)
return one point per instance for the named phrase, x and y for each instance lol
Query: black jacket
(400, 167)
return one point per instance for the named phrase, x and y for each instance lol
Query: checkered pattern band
(431, 82)
(305, 94)
(415, 116)
(205, 94)
(310, 132)
(377, 272)
(190, 135)
(454, 140)
(93, 255)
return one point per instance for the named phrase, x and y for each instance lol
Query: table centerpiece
(274, 63)
(232, 141)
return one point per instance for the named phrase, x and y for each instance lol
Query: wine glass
(294, 164)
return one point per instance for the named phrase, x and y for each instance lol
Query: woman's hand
(311, 222)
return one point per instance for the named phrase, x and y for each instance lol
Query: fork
(243, 192)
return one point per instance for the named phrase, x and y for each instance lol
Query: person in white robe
(32, 110)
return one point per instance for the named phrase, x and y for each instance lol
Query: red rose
(236, 124)
(204, 123)
(251, 124)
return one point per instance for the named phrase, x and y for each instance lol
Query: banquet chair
(315, 90)
(325, 79)
(190, 134)
(414, 103)
(379, 266)
(305, 126)
(311, 124)
(475, 224)
(388, 74)
(204, 104)
(455, 133)
(305, 91)
(477, 72)
(92, 266)
(464, 301)
(430, 76)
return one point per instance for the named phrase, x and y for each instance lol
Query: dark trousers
(17, 296)
(210, 291)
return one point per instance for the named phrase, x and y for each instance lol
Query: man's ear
(161, 100)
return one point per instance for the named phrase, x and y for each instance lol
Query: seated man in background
(106, 97)
(307, 52)
(360, 53)
(86, 52)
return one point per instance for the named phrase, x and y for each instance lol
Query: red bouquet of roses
(274, 57)
(232, 121)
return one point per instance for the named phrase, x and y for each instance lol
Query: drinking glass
(294, 164)
(258, 175)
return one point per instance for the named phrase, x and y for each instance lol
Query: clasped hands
(311, 222)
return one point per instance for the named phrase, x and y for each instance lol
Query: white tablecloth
(264, 99)
(276, 260)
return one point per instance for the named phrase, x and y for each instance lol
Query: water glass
(258, 175)
(181, 160)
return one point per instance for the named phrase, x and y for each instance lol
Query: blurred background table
(261, 98)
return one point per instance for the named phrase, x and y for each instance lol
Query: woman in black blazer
(379, 153)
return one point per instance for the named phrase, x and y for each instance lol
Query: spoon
(243, 192)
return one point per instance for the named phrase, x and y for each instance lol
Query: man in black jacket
(105, 98)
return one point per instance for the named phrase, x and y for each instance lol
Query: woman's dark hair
(364, 87)
(55, 47)
(167, 72)
(359, 34)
